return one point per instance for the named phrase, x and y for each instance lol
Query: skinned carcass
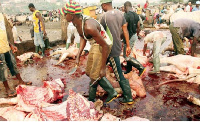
(192, 63)
(71, 52)
(26, 56)
(137, 87)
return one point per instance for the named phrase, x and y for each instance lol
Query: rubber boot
(193, 49)
(47, 44)
(127, 96)
(67, 45)
(156, 65)
(112, 94)
(78, 45)
(43, 51)
(133, 62)
(37, 49)
(92, 92)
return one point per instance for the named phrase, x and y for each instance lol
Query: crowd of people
(106, 38)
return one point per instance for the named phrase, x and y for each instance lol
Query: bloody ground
(168, 102)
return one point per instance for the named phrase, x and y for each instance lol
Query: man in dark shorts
(7, 57)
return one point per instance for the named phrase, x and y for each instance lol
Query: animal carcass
(29, 97)
(71, 52)
(24, 57)
(186, 63)
(137, 87)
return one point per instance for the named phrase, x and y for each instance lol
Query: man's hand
(144, 54)
(1, 61)
(102, 72)
(14, 48)
(77, 61)
(128, 51)
(45, 34)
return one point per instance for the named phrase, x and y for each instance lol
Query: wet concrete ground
(168, 102)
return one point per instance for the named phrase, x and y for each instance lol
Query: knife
(95, 81)
(73, 70)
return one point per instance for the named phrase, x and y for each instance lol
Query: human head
(72, 10)
(138, 5)
(197, 3)
(189, 3)
(31, 7)
(106, 4)
(127, 6)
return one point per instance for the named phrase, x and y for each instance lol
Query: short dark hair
(31, 5)
(127, 3)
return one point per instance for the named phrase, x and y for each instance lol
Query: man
(39, 29)
(71, 29)
(197, 8)
(133, 22)
(7, 57)
(184, 28)
(114, 21)
(90, 30)
(146, 4)
(157, 38)
(188, 7)
(139, 9)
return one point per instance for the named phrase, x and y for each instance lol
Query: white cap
(197, 2)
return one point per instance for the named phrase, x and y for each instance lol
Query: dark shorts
(8, 60)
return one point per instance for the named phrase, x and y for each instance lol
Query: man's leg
(177, 41)
(124, 83)
(132, 61)
(36, 42)
(12, 65)
(41, 42)
(3, 70)
(94, 75)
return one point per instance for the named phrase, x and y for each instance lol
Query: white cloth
(187, 9)
(71, 29)
(154, 36)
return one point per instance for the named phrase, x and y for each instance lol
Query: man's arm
(144, 49)
(126, 35)
(138, 28)
(13, 48)
(82, 46)
(38, 15)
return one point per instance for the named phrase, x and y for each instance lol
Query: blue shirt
(195, 9)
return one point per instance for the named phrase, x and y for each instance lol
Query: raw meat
(135, 82)
(24, 57)
(80, 109)
(135, 118)
(11, 114)
(29, 97)
(109, 117)
(71, 52)
(192, 62)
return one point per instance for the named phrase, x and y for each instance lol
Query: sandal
(12, 93)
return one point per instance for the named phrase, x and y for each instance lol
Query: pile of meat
(36, 104)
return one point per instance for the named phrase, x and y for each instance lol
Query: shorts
(38, 39)
(94, 62)
(8, 59)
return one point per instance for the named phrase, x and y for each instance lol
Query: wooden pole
(64, 25)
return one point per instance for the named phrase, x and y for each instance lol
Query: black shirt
(132, 19)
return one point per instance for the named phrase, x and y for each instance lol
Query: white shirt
(154, 36)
